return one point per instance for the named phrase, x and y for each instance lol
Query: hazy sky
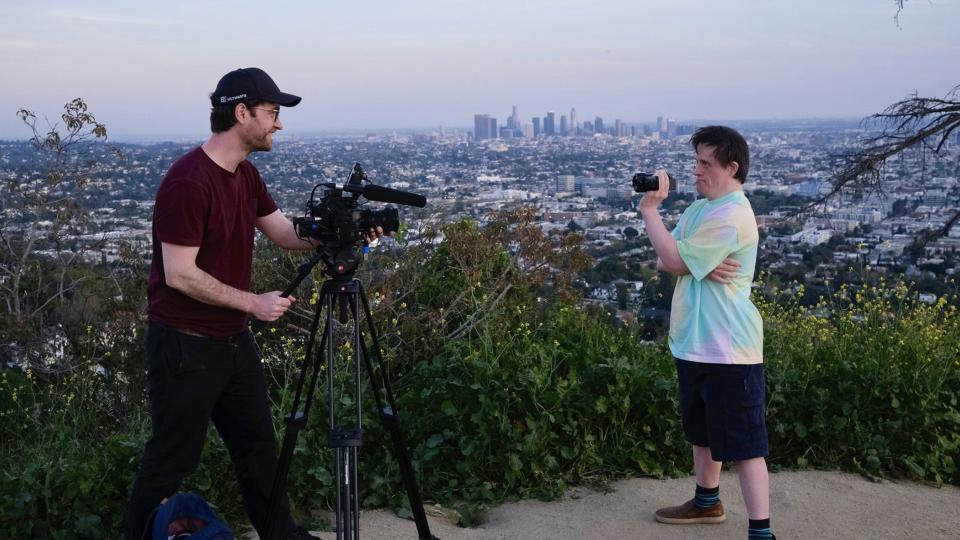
(146, 68)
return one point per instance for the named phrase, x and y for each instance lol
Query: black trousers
(190, 381)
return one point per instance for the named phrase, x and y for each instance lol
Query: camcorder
(643, 182)
(340, 226)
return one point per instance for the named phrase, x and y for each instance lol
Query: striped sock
(705, 497)
(760, 530)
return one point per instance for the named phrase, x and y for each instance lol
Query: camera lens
(387, 218)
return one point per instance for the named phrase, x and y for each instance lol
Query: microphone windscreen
(388, 195)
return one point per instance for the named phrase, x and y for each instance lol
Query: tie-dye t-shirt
(713, 322)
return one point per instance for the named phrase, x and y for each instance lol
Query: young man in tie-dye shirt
(716, 334)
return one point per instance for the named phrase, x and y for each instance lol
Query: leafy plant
(509, 389)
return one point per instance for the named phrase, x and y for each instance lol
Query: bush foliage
(508, 386)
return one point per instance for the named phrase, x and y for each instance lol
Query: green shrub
(539, 402)
(65, 466)
(867, 380)
(506, 389)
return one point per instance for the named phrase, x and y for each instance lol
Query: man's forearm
(290, 240)
(201, 286)
(664, 244)
(282, 232)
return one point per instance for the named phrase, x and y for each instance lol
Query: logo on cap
(250, 84)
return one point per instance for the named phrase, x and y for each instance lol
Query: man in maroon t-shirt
(202, 362)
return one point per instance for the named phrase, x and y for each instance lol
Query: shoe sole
(690, 521)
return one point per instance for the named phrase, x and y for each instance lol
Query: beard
(259, 142)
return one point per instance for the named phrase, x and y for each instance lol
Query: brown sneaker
(687, 513)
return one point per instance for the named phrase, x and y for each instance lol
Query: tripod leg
(346, 442)
(344, 503)
(295, 423)
(356, 493)
(390, 419)
(348, 500)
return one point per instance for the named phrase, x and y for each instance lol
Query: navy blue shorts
(723, 407)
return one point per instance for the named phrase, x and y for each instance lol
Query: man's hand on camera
(652, 199)
(375, 235)
(270, 306)
(725, 271)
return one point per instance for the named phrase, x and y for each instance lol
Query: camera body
(643, 182)
(338, 220)
(340, 226)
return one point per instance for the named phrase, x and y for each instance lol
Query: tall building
(513, 122)
(598, 125)
(549, 125)
(517, 124)
(536, 127)
(566, 183)
(574, 128)
(481, 127)
(662, 125)
(671, 128)
(484, 127)
(619, 128)
(564, 129)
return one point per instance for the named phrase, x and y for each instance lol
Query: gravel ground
(808, 504)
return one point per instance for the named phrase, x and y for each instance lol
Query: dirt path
(809, 504)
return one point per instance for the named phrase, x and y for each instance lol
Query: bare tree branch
(42, 297)
(896, 16)
(912, 122)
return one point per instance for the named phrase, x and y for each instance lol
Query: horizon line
(129, 138)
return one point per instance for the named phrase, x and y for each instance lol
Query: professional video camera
(643, 182)
(340, 226)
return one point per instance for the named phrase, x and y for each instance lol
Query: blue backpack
(187, 516)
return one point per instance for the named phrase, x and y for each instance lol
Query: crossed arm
(723, 273)
(668, 255)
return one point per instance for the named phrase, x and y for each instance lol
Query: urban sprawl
(576, 174)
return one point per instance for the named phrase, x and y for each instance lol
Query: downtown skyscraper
(484, 127)
(549, 124)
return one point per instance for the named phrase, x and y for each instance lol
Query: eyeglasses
(275, 112)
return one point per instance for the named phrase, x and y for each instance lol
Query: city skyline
(147, 73)
(485, 126)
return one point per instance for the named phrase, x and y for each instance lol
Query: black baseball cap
(250, 84)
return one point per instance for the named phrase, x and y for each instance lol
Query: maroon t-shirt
(200, 204)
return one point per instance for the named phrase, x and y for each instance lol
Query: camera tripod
(345, 292)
